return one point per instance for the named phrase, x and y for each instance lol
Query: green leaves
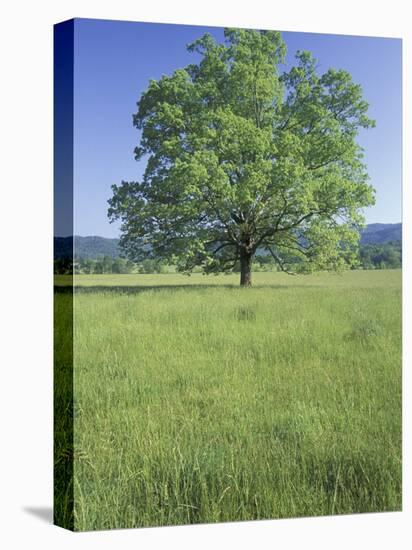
(241, 157)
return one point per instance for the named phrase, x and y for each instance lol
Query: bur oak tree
(244, 154)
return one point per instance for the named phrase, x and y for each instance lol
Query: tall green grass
(198, 401)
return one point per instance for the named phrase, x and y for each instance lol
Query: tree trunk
(245, 268)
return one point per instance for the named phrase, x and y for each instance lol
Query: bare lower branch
(279, 262)
(223, 245)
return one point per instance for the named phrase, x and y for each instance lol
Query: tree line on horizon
(371, 256)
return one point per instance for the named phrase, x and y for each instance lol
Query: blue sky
(114, 61)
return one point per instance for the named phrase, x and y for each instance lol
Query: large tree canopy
(242, 157)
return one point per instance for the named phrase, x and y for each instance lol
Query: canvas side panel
(63, 274)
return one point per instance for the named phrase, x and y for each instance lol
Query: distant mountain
(379, 233)
(86, 247)
(93, 247)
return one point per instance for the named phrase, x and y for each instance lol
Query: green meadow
(197, 401)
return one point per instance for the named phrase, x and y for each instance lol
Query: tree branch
(325, 163)
(279, 262)
(228, 243)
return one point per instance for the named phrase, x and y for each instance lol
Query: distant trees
(152, 266)
(371, 256)
(63, 266)
(101, 265)
(381, 256)
(106, 264)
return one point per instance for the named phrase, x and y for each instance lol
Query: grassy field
(199, 401)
